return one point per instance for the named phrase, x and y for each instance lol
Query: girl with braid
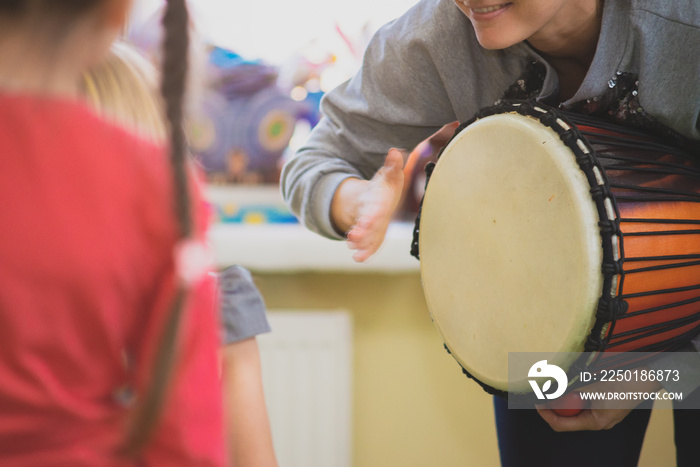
(109, 335)
(122, 88)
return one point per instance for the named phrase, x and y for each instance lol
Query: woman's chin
(493, 41)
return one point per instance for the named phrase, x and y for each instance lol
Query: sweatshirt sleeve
(397, 99)
(242, 307)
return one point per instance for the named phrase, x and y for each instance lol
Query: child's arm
(243, 316)
(250, 439)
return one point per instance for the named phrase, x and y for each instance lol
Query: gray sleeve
(396, 100)
(243, 313)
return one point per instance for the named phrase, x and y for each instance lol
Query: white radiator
(307, 369)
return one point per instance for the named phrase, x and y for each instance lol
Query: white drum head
(510, 247)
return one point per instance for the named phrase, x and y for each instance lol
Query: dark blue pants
(686, 425)
(526, 440)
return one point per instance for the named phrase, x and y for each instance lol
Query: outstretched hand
(376, 207)
(364, 208)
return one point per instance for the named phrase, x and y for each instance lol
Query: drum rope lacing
(631, 164)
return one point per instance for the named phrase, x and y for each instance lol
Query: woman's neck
(569, 44)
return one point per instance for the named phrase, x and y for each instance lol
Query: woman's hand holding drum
(599, 415)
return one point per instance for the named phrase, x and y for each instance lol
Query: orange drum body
(656, 190)
(543, 231)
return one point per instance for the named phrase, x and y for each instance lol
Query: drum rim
(609, 306)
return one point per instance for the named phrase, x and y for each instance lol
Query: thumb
(392, 170)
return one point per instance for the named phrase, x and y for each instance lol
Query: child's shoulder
(55, 130)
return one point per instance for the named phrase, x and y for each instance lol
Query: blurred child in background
(244, 317)
(101, 253)
(122, 87)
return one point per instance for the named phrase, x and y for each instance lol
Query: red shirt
(86, 276)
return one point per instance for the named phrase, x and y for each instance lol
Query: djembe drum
(544, 231)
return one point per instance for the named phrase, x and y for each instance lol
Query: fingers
(603, 414)
(580, 422)
(395, 159)
(587, 420)
(392, 170)
(367, 235)
(366, 243)
(377, 206)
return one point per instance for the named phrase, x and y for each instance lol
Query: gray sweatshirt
(427, 69)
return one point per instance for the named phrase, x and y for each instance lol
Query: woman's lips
(485, 12)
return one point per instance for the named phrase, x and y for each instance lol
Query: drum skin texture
(510, 251)
(542, 231)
